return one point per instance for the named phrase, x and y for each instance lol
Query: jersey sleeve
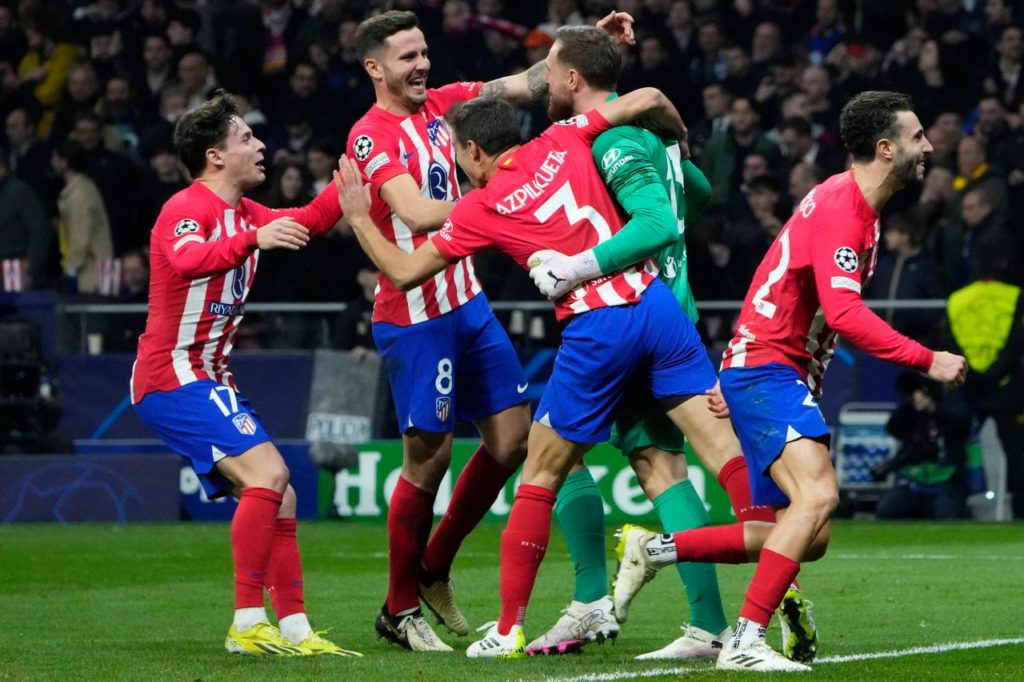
(376, 152)
(835, 246)
(185, 241)
(698, 191)
(459, 236)
(584, 127)
(626, 166)
(318, 216)
(448, 96)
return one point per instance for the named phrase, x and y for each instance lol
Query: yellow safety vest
(980, 317)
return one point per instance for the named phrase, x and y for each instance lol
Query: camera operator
(930, 464)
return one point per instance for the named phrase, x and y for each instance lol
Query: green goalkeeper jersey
(661, 193)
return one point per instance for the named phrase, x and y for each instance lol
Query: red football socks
(712, 544)
(252, 536)
(410, 517)
(735, 480)
(523, 545)
(284, 571)
(475, 491)
(774, 574)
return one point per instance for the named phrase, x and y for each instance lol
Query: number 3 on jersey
(761, 303)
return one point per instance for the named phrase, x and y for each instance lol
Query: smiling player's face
(405, 66)
(912, 149)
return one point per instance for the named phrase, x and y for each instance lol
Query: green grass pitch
(153, 602)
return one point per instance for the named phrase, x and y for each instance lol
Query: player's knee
(278, 477)
(819, 545)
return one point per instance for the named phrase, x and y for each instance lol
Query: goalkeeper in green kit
(662, 191)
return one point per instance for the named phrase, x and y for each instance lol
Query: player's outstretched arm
(650, 103)
(417, 212)
(405, 270)
(531, 85)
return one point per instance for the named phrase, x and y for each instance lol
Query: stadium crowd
(91, 93)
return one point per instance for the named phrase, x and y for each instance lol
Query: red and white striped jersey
(808, 289)
(547, 194)
(385, 146)
(203, 257)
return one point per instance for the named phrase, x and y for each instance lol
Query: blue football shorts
(459, 366)
(204, 421)
(770, 405)
(604, 351)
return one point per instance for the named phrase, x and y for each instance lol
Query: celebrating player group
(595, 208)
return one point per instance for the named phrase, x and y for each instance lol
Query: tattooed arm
(530, 85)
(521, 88)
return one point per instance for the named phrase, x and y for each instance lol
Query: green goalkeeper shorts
(640, 423)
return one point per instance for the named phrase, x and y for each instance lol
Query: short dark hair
(203, 127)
(371, 34)
(800, 125)
(74, 155)
(590, 51)
(490, 122)
(765, 182)
(869, 117)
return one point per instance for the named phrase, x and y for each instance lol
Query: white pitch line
(913, 651)
(927, 557)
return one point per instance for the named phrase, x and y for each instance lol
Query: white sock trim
(249, 616)
(295, 628)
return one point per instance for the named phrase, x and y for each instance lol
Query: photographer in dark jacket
(929, 466)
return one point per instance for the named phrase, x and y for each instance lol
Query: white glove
(556, 274)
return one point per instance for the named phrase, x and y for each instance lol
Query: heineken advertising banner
(362, 491)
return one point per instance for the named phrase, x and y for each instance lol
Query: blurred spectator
(44, 67)
(981, 225)
(83, 227)
(321, 162)
(12, 38)
(303, 94)
(120, 113)
(28, 156)
(716, 100)
(945, 134)
(561, 13)
(739, 77)
(117, 179)
(157, 73)
(827, 32)
(195, 75)
(25, 233)
(1003, 77)
(134, 280)
(164, 177)
(802, 179)
(986, 319)
(765, 45)
(904, 271)
(974, 170)
(816, 84)
(106, 52)
(799, 146)
(353, 330)
(932, 209)
(81, 94)
(723, 157)
(992, 129)
(183, 28)
(680, 26)
(931, 462)
(751, 235)
(160, 133)
(654, 69)
(708, 66)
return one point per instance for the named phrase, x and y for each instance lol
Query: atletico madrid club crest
(437, 131)
(443, 408)
(244, 423)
